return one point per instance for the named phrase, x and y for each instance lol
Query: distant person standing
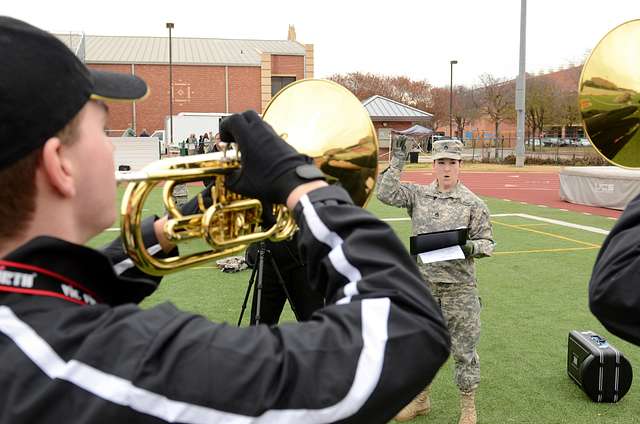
(209, 146)
(192, 143)
(200, 148)
(216, 144)
(205, 141)
(446, 204)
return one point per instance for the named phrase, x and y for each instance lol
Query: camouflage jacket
(431, 210)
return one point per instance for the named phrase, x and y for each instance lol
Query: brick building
(210, 75)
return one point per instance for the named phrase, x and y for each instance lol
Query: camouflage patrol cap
(449, 149)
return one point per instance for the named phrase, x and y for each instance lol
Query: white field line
(556, 222)
(534, 218)
(521, 215)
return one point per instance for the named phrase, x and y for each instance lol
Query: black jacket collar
(88, 267)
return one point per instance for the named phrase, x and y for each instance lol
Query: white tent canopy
(417, 131)
(417, 137)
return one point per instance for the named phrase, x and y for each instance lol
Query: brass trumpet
(319, 118)
(609, 96)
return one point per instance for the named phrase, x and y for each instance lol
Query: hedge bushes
(588, 160)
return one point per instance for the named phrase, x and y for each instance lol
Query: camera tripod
(256, 277)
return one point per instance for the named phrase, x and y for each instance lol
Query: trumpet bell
(609, 96)
(325, 121)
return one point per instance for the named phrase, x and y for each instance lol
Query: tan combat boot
(468, 413)
(420, 405)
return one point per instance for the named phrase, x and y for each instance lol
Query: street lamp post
(170, 27)
(451, 63)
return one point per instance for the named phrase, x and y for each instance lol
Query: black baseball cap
(43, 85)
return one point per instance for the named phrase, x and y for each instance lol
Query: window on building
(278, 83)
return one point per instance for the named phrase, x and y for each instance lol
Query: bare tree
(409, 92)
(495, 98)
(464, 109)
(567, 108)
(540, 104)
(362, 85)
(439, 107)
(399, 88)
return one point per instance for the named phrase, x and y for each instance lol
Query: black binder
(427, 242)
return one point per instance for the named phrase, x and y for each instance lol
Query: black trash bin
(413, 157)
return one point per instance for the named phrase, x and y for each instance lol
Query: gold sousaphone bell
(609, 96)
(319, 118)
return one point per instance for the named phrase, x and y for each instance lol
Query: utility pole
(520, 87)
(170, 27)
(453, 62)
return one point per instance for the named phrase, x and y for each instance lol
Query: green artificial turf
(533, 290)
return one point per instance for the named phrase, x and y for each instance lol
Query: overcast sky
(393, 37)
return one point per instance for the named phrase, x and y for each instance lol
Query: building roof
(382, 108)
(565, 79)
(191, 51)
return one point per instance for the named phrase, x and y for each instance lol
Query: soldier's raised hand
(400, 150)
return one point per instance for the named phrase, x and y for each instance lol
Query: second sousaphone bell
(609, 96)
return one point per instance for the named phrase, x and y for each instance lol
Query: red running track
(536, 188)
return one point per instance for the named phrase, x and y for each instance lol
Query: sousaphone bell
(609, 96)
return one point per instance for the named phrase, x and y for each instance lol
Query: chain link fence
(551, 150)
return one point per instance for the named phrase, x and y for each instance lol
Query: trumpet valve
(232, 224)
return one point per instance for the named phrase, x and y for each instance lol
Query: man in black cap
(75, 347)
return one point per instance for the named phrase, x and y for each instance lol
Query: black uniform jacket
(75, 348)
(614, 290)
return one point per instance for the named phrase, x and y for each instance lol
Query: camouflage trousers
(460, 306)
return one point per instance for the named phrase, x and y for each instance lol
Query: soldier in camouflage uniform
(447, 204)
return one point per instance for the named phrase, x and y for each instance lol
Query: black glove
(268, 218)
(400, 151)
(192, 207)
(271, 168)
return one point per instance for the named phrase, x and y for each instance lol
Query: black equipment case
(600, 369)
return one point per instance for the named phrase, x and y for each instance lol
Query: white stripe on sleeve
(120, 391)
(334, 241)
(124, 265)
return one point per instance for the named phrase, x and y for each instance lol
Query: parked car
(550, 141)
(584, 142)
